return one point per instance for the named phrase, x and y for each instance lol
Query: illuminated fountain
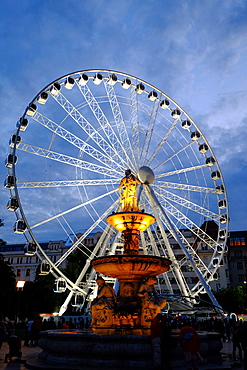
(137, 302)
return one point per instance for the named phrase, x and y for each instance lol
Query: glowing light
(20, 284)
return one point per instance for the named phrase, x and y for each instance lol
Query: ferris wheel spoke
(92, 227)
(89, 129)
(174, 185)
(51, 184)
(161, 144)
(149, 131)
(113, 143)
(182, 170)
(74, 140)
(185, 250)
(173, 211)
(175, 154)
(135, 125)
(85, 268)
(74, 208)
(125, 144)
(188, 204)
(68, 160)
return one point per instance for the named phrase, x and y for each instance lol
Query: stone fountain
(136, 302)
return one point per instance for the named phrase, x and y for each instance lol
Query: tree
(7, 289)
(2, 242)
(232, 299)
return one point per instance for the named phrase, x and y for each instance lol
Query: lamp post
(19, 286)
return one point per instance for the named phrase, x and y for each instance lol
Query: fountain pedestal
(131, 315)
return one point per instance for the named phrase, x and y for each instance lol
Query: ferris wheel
(68, 155)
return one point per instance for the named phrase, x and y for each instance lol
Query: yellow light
(120, 226)
(20, 284)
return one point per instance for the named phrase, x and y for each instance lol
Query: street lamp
(19, 286)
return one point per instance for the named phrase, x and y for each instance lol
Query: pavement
(30, 359)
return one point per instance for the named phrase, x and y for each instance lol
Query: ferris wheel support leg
(186, 252)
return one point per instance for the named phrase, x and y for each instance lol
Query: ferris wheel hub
(145, 175)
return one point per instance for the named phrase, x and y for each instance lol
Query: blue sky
(195, 51)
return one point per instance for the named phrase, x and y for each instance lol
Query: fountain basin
(124, 266)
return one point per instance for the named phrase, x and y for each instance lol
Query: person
(2, 332)
(156, 337)
(29, 340)
(243, 341)
(168, 343)
(150, 300)
(105, 299)
(190, 342)
(51, 325)
(127, 190)
(36, 328)
(65, 324)
(234, 330)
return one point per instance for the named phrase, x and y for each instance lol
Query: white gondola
(215, 262)
(30, 249)
(12, 204)
(219, 249)
(14, 141)
(140, 88)
(220, 189)
(77, 300)
(9, 182)
(60, 285)
(126, 83)
(22, 123)
(223, 219)
(112, 80)
(195, 135)
(20, 226)
(54, 90)
(186, 124)
(210, 161)
(222, 203)
(43, 97)
(69, 83)
(83, 80)
(176, 113)
(216, 175)
(164, 104)
(203, 148)
(31, 110)
(152, 95)
(98, 78)
(10, 160)
(44, 268)
(222, 233)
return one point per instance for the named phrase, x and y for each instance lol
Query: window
(218, 286)
(18, 272)
(241, 278)
(227, 272)
(240, 265)
(27, 272)
(238, 253)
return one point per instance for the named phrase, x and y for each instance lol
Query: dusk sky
(195, 51)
